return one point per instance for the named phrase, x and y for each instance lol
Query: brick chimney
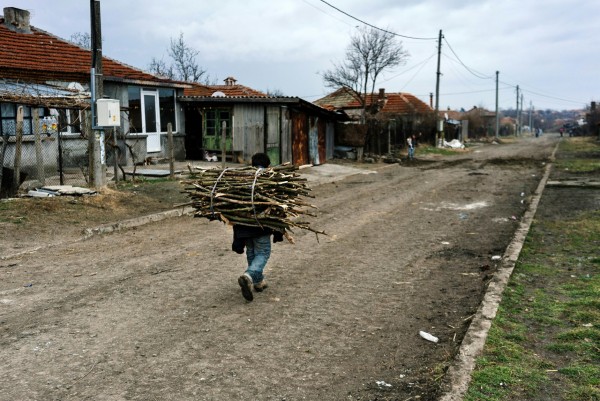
(230, 81)
(17, 20)
(381, 94)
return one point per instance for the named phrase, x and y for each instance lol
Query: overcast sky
(549, 48)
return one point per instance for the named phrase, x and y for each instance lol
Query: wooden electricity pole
(96, 136)
(438, 124)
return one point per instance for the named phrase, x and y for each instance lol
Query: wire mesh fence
(41, 152)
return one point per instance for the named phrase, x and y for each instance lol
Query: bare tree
(275, 93)
(160, 67)
(371, 51)
(81, 39)
(184, 66)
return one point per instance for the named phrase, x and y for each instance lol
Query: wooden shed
(288, 129)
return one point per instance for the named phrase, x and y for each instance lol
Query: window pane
(211, 122)
(27, 126)
(7, 110)
(135, 109)
(167, 109)
(9, 127)
(150, 112)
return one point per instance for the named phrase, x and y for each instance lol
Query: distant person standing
(410, 141)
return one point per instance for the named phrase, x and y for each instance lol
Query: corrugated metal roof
(41, 94)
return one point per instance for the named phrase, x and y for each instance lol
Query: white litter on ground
(428, 336)
(454, 144)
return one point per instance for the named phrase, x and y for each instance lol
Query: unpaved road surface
(155, 313)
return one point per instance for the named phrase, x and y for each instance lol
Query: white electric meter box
(108, 112)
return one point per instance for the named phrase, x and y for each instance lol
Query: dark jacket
(241, 233)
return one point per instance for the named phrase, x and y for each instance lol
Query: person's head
(261, 160)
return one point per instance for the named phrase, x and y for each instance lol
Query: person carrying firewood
(257, 243)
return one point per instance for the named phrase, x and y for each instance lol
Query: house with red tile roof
(391, 117)
(49, 76)
(231, 89)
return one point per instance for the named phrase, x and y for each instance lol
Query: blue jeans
(411, 152)
(258, 251)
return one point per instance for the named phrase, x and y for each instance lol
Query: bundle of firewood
(268, 198)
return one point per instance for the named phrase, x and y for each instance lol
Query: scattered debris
(59, 190)
(454, 144)
(428, 337)
(149, 172)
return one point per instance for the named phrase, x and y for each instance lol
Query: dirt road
(155, 313)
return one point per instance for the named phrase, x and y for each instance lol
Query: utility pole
(438, 122)
(96, 137)
(521, 115)
(530, 115)
(517, 128)
(497, 116)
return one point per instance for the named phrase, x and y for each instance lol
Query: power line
(326, 13)
(420, 64)
(553, 97)
(373, 26)
(473, 72)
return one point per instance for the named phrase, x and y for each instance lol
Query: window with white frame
(142, 109)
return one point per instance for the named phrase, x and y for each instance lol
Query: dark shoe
(246, 283)
(260, 287)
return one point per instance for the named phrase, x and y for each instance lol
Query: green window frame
(212, 121)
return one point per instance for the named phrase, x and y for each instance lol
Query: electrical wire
(373, 26)
(473, 72)
(420, 64)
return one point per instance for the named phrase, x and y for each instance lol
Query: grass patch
(543, 343)
(578, 145)
(579, 155)
(579, 165)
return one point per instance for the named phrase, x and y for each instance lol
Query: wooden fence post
(223, 144)
(39, 156)
(171, 151)
(18, 145)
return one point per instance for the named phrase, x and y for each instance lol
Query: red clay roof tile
(228, 90)
(41, 56)
(395, 103)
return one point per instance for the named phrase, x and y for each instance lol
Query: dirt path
(155, 313)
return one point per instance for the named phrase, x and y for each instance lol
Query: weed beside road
(544, 342)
